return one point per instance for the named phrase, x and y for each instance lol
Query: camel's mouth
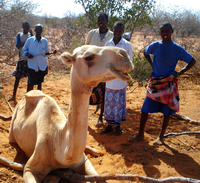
(121, 74)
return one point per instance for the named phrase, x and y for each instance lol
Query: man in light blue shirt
(36, 48)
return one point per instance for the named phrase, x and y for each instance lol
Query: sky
(61, 8)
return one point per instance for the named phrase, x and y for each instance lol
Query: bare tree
(12, 15)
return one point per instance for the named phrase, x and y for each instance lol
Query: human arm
(149, 59)
(49, 53)
(26, 50)
(130, 51)
(19, 44)
(186, 68)
(31, 32)
(29, 55)
(88, 39)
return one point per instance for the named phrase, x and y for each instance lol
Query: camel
(49, 139)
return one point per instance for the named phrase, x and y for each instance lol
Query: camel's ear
(67, 58)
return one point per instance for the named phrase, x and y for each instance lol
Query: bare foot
(99, 123)
(11, 99)
(136, 138)
(158, 142)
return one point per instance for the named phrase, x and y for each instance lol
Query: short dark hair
(103, 14)
(119, 24)
(166, 24)
(25, 23)
(38, 25)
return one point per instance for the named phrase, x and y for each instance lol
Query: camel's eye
(88, 58)
(123, 54)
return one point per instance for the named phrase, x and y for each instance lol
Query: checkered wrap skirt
(21, 69)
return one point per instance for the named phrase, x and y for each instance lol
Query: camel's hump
(35, 93)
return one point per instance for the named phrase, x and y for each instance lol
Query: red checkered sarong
(164, 90)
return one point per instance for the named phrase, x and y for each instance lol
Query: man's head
(38, 29)
(118, 30)
(166, 31)
(26, 27)
(102, 20)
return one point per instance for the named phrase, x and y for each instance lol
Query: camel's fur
(42, 131)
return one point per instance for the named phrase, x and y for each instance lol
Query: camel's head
(94, 64)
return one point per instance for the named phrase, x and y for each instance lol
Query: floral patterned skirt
(115, 106)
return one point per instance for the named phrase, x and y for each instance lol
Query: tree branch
(130, 177)
(172, 134)
(186, 118)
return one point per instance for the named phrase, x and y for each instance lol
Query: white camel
(41, 130)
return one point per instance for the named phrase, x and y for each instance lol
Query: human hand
(54, 51)
(47, 53)
(31, 32)
(29, 55)
(177, 74)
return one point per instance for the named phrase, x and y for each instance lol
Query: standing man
(36, 48)
(99, 37)
(21, 69)
(162, 91)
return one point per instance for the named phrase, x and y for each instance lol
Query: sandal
(135, 139)
(118, 130)
(107, 129)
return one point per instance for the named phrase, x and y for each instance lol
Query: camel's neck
(79, 104)
(78, 117)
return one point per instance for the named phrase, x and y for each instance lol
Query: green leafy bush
(142, 70)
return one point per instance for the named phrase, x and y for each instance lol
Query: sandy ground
(180, 156)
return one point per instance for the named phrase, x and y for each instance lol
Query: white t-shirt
(118, 84)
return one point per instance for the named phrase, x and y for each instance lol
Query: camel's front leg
(87, 168)
(35, 169)
(32, 177)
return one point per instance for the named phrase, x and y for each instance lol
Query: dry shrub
(196, 68)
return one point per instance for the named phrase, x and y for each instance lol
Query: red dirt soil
(179, 157)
